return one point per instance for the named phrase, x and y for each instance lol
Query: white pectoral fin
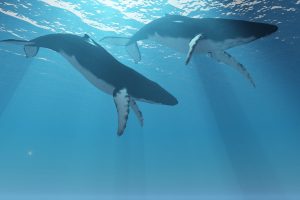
(226, 58)
(137, 111)
(192, 46)
(122, 102)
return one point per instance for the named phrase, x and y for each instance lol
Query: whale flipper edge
(192, 46)
(226, 58)
(122, 100)
(137, 111)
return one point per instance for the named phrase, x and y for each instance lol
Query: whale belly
(178, 44)
(182, 44)
(212, 45)
(204, 46)
(99, 83)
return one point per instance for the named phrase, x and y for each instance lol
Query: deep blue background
(224, 138)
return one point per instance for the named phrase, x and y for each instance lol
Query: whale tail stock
(131, 47)
(29, 47)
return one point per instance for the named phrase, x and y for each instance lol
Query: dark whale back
(213, 28)
(104, 66)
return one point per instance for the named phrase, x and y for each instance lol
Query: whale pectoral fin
(122, 101)
(30, 51)
(192, 46)
(137, 111)
(132, 48)
(226, 58)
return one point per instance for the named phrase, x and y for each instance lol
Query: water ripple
(125, 17)
(74, 9)
(24, 18)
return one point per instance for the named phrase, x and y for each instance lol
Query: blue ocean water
(224, 140)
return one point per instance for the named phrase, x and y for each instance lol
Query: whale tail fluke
(31, 51)
(29, 47)
(131, 47)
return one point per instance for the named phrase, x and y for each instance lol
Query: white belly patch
(204, 46)
(178, 44)
(100, 84)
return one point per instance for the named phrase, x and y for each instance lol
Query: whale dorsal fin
(122, 100)
(193, 43)
(90, 40)
(86, 36)
(31, 51)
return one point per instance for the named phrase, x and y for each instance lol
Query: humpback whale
(103, 71)
(211, 36)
